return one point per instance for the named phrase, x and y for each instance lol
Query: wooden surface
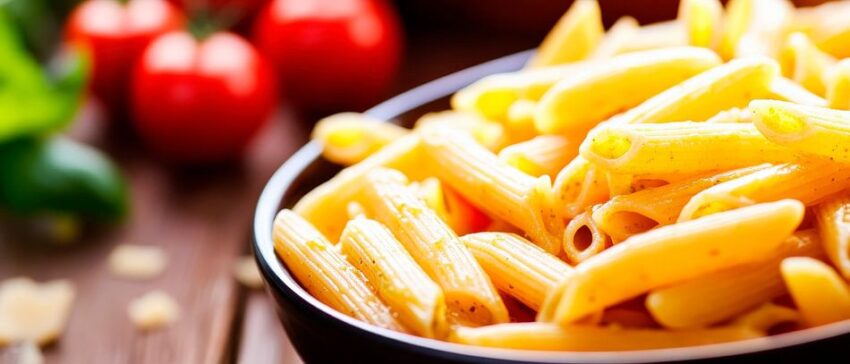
(201, 218)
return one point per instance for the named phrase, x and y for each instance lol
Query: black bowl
(322, 335)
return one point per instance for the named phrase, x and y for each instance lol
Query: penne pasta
(804, 63)
(348, 138)
(730, 291)
(676, 253)
(755, 27)
(733, 115)
(665, 34)
(807, 181)
(827, 25)
(326, 206)
(833, 222)
(811, 130)
(703, 21)
(490, 134)
(680, 148)
(626, 215)
(616, 39)
(396, 277)
(730, 85)
(326, 274)
(818, 291)
(784, 89)
(494, 186)
(574, 36)
(517, 266)
(583, 238)
(541, 155)
(520, 120)
(578, 186)
(470, 296)
(576, 104)
(838, 86)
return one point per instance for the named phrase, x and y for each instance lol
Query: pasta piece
(827, 25)
(542, 155)
(665, 34)
(733, 115)
(833, 222)
(819, 292)
(551, 337)
(583, 238)
(578, 186)
(574, 36)
(812, 130)
(786, 90)
(520, 120)
(495, 187)
(620, 34)
(348, 138)
(325, 273)
(137, 261)
(247, 273)
(838, 86)
(702, 20)
(492, 135)
(326, 206)
(516, 266)
(627, 215)
(730, 291)
(470, 296)
(680, 148)
(755, 27)
(153, 310)
(809, 182)
(804, 63)
(34, 312)
(730, 85)
(577, 103)
(397, 279)
(676, 253)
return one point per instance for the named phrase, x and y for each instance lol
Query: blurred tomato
(116, 33)
(201, 101)
(228, 11)
(331, 55)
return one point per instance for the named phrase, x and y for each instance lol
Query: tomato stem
(203, 25)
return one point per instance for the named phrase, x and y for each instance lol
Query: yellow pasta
(807, 181)
(676, 253)
(326, 206)
(811, 130)
(665, 34)
(755, 27)
(574, 36)
(494, 186)
(325, 273)
(838, 85)
(578, 186)
(833, 221)
(583, 238)
(396, 277)
(730, 291)
(818, 291)
(491, 135)
(520, 120)
(733, 115)
(827, 25)
(542, 155)
(702, 20)
(680, 148)
(627, 215)
(576, 104)
(516, 266)
(787, 90)
(733, 84)
(804, 63)
(348, 138)
(616, 39)
(470, 296)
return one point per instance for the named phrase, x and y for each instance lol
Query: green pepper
(59, 175)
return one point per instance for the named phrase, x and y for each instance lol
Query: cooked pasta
(348, 138)
(676, 253)
(470, 296)
(702, 20)
(811, 130)
(326, 274)
(804, 63)
(755, 27)
(396, 277)
(784, 89)
(578, 186)
(574, 36)
(833, 222)
(838, 85)
(541, 155)
(818, 291)
(517, 266)
(583, 238)
(616, 39)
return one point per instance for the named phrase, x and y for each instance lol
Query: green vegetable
(58, 175)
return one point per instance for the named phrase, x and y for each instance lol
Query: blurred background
(156, 123)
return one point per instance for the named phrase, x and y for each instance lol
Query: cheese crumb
(137, 261)
(153, 310)
(246, 272)
(35, 312)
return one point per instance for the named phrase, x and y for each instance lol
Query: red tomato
(201, 101)
(116, 34)
(331, 55)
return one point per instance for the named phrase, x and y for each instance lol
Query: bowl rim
(278, 278)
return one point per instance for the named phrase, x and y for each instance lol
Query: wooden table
(201, 218)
